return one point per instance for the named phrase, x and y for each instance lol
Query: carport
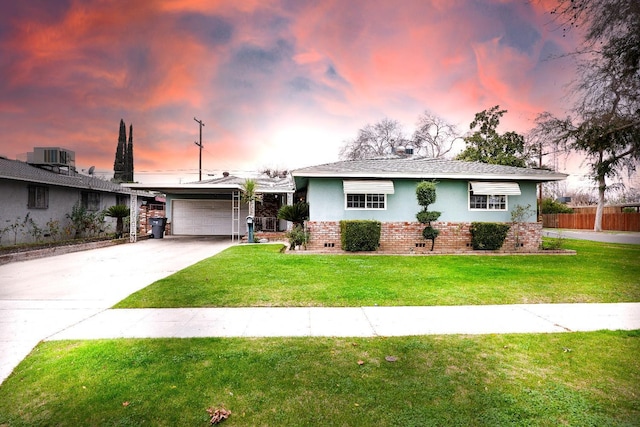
(214, 207)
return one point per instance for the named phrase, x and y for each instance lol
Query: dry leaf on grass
(360, 362)
(218, 415)
(391, 358)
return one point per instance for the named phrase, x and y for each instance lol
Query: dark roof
(423, 168)
(20, 171)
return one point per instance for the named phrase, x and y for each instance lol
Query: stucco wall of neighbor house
(406, 237)
(15, 197)
(327, 202)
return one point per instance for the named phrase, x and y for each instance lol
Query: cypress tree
(119, 163)
(128, 160)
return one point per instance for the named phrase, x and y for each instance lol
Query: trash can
(157, 227)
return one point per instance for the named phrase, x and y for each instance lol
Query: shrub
(119, 212)
(360, 235)
(553, 243)
(425, 217)
(297, 237)
(488, 236)
(297, 213)
(550, 206)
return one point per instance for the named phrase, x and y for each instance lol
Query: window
(367, 194)
(90, 201)
(365, 201)
(38, 197)
(491, 202)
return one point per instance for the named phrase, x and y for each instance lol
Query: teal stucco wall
(327, 202)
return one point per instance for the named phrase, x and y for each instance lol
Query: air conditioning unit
(54, 159)
(52, 156)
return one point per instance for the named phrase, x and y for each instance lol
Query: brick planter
(406, 238)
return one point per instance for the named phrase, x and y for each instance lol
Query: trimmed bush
(425, 217)
(360, 235)
(488, 236)
(426, 195)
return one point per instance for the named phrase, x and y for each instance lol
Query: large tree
(605, 122)
(486, 145)
(379, 139)
(434, 137)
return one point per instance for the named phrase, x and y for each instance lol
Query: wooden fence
(585, 221)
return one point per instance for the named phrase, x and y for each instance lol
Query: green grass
(260, 275)
(581, 379)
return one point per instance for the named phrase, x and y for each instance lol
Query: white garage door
(201, 217)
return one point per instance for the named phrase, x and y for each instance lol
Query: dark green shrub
(297, 213)
(550, 206)
(425, 217)
(488, 236)
(426, 193)
(430, 233)
(360, 235)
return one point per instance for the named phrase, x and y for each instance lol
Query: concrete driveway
(41, 297)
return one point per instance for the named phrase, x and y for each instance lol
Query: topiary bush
(360, 235)
(426, 195)
(488, 236)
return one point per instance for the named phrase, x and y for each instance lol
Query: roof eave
(478, 176)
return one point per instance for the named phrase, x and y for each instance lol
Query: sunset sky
(279, 84)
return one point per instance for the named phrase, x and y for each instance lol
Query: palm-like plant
(119, 212)
(297, 213)
(250, 194)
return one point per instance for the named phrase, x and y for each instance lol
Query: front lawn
(579, 379)
(260, 275)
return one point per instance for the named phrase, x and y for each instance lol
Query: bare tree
(434, 137)
(379, 139)
(605, 124)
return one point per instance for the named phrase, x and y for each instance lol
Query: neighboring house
(46, 189)
(384, 189)
(215, 208)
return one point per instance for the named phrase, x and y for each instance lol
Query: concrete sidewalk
(353, 322)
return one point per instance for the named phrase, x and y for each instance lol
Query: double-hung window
(491, 196)
(38, 197)
(366, 195)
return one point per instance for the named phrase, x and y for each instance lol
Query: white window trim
(384, 197)
(506, 202)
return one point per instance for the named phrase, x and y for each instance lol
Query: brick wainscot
(406, 237)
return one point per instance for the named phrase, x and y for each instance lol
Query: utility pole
(199, 144)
